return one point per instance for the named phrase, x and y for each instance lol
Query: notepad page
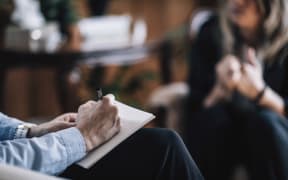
(131, 119)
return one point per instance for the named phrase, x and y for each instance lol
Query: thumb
(215, 96)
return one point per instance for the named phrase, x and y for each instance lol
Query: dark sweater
(207, 51)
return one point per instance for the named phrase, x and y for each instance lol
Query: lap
(257, 138)
(143, 155)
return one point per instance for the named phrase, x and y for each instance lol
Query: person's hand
(251, 81)
(219, 93)
(98, 121)
(61, 122)
(228, 72)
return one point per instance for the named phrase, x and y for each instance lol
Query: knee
(271, 121)
(270, 117)
(162, 136)
(171, 137)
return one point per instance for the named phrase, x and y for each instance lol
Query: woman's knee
(270, 117)
(271, 121)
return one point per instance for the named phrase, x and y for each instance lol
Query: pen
(99, 94)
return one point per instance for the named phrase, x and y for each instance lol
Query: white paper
(131, 119)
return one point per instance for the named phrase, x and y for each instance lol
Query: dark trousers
(220, 138)
(148, 154)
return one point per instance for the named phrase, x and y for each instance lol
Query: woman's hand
(251, 81)
(61, 122)
(228, 74)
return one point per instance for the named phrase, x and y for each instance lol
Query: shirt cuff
(74, 142)
(22, 130)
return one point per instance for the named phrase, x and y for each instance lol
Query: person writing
(237, 111)
(53, 147)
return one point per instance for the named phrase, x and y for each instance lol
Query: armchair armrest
(11, 172)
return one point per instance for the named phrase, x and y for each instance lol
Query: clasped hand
(97, 122)
(246, 78)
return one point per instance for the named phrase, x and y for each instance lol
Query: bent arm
(274, 102)
(50, 154)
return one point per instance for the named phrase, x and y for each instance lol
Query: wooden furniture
(64, 62)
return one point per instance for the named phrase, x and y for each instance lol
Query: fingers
(118, 124)
(251, 57)
(111, 114)
(99, 121)
(115, 129)
(90, 104)
(87, 106)
(247, 69)
(115, 117)
(107, 108)
(108, 100)
(111, 97)
(70, 117)
(65, 125)
(228, 67)
(210, 100)
(218, 93)
(229, 72)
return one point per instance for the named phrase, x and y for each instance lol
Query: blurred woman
(238, 105)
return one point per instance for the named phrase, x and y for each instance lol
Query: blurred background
(56, 54)
(33, 92)
(156, 55)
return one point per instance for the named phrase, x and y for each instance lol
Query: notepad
(131, 119)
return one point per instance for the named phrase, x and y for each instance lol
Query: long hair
(274, 29)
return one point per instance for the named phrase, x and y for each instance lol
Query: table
(65, 61)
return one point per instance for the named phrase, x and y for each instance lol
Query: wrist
(36, 131)
(88, 141)
(24, 130)
(259, 96)
(32, 132)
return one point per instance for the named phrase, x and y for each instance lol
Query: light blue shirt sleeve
(8, 127)
(50, 154)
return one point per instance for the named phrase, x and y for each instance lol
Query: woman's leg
(267, 137)
(148, 154)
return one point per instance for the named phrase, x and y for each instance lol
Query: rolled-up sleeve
(8, 127)
(50, 154)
